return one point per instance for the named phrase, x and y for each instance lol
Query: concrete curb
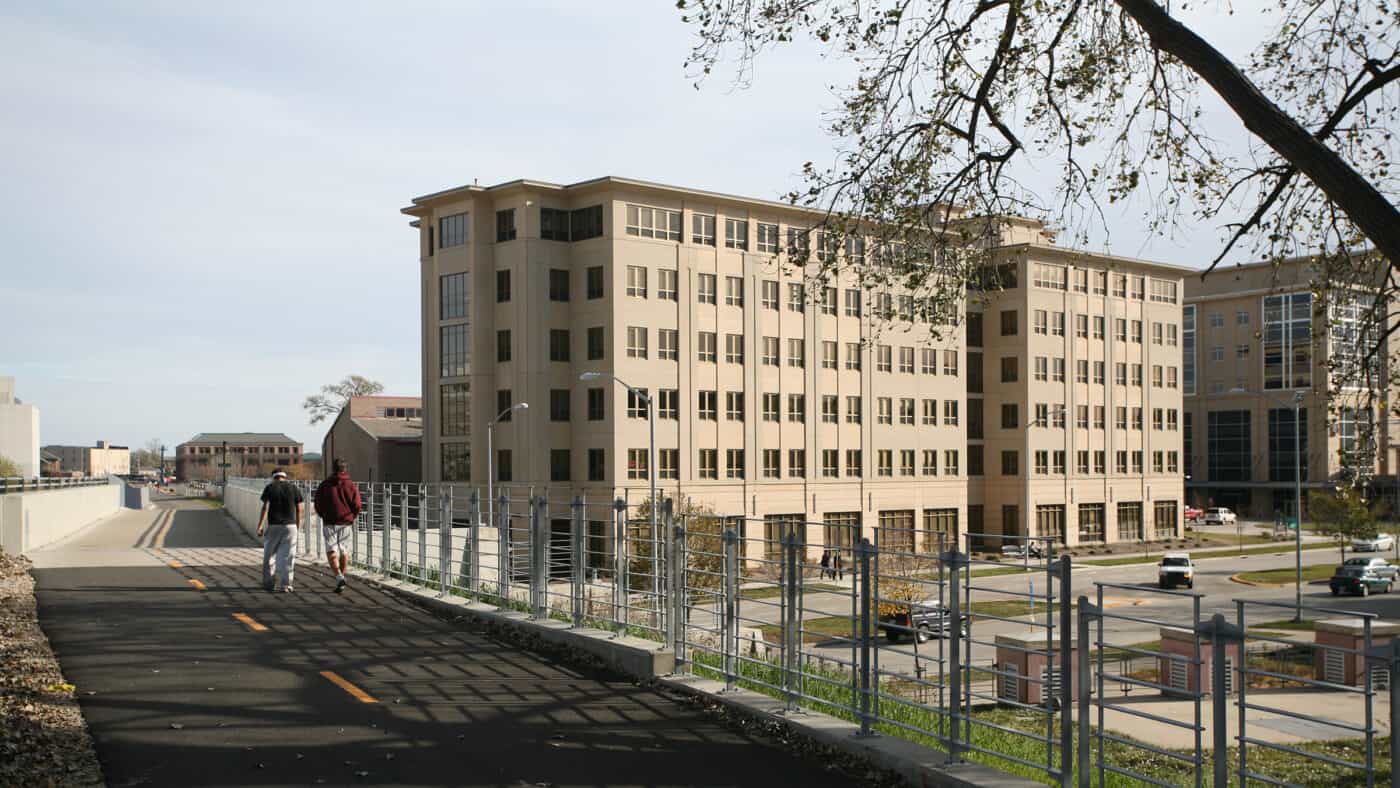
(1243, 582)
(919, 765)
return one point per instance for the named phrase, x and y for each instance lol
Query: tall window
(636, 342)
(1130, 519)
(585, 223)
(734, 348)
(733, 291)
(597, 465)
(456, 462)
(456, 399)
(666, 285)
(558, 284)
(1164, 519)
(502, 286)
(594, 282)
(896, 531)
(1351, 339)
(597, 346)
(647, 222)
(736, 233)
(597, 407)
(452, 292)
(1090, 522)
(637, 281)
(454, 350)
(554, 224)
(559, 344)
(1282, 455)
(767, 238)
(452, 230)
(505, 225)
(1228, 445)
(705, 288)
(702, 229)
(1050, 521)
(1288, 341)
(1188, 349)
(503, 346)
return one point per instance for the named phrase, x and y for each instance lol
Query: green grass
(1139, 558)
(1289, 574)
(773, 592)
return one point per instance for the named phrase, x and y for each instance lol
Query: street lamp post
(490, 467)
(646, 399)
(1297, 496)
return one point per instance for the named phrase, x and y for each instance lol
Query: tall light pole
(490, 463)
(646, 399)
(1297, 495)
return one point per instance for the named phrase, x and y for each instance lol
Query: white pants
(279, 546)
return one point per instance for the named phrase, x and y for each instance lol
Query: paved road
(180, 692)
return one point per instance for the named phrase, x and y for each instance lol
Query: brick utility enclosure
(1017, 652)
(1340, 667)
(1181, 675)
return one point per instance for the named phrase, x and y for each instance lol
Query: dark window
(559, 344)
(1009, 327)
(1227, 445)
(456, 462)
(596, 408)
(502, 403)
(597, 468)
(1282, 457)
(1187, 443)
(502, 286)
(452, 230)
(452, 350)
(595, 343)
(452, 292)
(558, 404)
(558, 284)
(455, 400)
(975, 420)
(1010, 466)
(503, 345)
(585, 223)
(974, 372)
(559, 465)
(974, 459)
(595, 281)
(505, 225)
(974, 329)
(554, 224)
(504, 471)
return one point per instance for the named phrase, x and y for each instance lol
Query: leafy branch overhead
(334, 396)
(956, 103)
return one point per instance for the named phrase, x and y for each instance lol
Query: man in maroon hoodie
(338, 504)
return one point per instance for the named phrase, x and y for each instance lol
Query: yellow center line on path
(198, 586)
(248, 621)
(159, 540)
(354, 691)
(174, 564)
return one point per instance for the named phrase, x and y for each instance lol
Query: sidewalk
(1343, 707)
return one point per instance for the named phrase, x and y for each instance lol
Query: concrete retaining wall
(30, 520)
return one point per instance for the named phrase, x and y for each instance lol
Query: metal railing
(902, 635)
(17, 484)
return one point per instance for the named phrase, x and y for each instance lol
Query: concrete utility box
(1031, 677)
(1340, 667)
(1180, 675)
(136, 497)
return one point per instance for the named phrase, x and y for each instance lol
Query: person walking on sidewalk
(338, 504)
(277, 525)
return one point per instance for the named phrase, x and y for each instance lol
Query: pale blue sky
(199, 201)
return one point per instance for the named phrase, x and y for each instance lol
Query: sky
(199, 202)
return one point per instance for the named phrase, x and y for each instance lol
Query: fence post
(369, 530)
(676, 564)
(957, 563)
(444, 539)
(863, 553)
(620, 615)
(385, 560)
(792, 621)
(1066, 678)
(538, 569)
(729, 651)
(1086, 612)
(577, 556)
(471, 559)
(503, 577)
(1221, 633)
(1394, 712)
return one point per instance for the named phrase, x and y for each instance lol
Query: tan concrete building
(381, 438)
(247, 454)
(1255, 336)
(780, 396)
(100, 459)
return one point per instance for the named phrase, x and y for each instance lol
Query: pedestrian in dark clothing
(338, 503)
(826, 563)
(838, 566)
(281, 511)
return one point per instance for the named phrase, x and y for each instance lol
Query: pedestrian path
(189, 675)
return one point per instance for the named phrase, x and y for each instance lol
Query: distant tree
(148, 456)
(1343, 515)
(334, 396)
(8, 468)
(301, 472)
(704, 544)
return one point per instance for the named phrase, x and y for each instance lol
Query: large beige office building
(781, 397)
(101, 459)
(1255, 336)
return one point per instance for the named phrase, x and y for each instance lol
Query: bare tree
(8, 468)
(334, 396)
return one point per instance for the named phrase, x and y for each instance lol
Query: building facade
(381, 438)
(19, 430)
(1259, 340)
(1050, 406)
(247, 454)
(100, 459)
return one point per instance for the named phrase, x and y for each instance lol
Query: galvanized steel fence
(980, 659)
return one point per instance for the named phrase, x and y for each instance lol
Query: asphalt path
(189, 674)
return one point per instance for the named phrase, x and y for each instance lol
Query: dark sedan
(1357, 580)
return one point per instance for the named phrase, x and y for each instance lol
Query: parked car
(1357, 580)
(1376, 544)
(1378, 566)
(1219, 515)
(1021, 550)
(1176, 569)
(923, 619)
(1192, 514)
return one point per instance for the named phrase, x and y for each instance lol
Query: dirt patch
(43, 737)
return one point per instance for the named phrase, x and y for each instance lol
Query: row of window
(1050, 520)
(1057, 277)
(1049, 462)
(1053, 369)
(1052, 323)
(1053, 415)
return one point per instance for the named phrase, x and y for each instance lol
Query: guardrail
(970, 663)
(19, 484)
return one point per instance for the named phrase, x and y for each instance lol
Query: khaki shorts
(337, 538)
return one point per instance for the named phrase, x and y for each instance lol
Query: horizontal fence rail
(18, 484)
(898, 631)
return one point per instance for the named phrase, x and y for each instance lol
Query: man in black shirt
(281, 511)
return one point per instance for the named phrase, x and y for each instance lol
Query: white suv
(1176, 568)
(1219, 516)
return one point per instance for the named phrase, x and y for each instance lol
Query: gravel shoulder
(43, 737)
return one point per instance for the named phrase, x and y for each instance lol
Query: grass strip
(1288, 574)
